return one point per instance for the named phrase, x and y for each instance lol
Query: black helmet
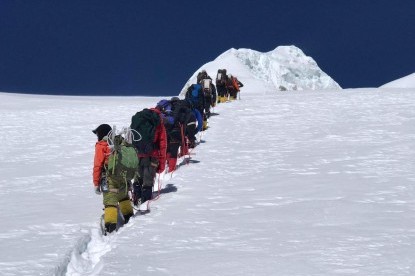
(174, 99)
(101, 131)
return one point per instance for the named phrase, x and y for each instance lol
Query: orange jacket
(102, 151)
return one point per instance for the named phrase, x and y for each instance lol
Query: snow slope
(281, 184)
(405, 82)
(284, 68)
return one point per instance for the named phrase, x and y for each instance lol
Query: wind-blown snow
(281, 184)
(405, 82)
(284, 68)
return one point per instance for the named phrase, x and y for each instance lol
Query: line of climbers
(227, 86)
(126, 162)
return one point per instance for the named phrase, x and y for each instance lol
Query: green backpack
(123, 160)
(144, 124)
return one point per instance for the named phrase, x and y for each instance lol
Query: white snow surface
(284, 68)
(404, 82)
(299, 183)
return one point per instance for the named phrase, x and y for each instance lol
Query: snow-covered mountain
(284, 68)
(405, 82)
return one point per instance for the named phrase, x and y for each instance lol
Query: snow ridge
(287, 68)
(284, 68)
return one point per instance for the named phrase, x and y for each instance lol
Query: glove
(97, 190)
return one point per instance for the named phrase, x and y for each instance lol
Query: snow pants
(147, 169)
(191, 130)
(208, 104)
(116, 197)
(222, 91)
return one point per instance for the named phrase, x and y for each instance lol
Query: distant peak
(284, 68)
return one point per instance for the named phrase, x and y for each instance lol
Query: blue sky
(137, 47)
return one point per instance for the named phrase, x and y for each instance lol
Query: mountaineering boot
(110, 227)
(127, 218)
(192, 144)
(136, 200)
(136, 193)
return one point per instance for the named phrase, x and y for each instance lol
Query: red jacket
(160, 140)
(102, 151)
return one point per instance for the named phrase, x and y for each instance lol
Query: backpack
(181, 111)
(221, 77)
(194, 95)
(206, 85)
(143, 125)
(123, 160)
(200, 76)
(166, 109)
